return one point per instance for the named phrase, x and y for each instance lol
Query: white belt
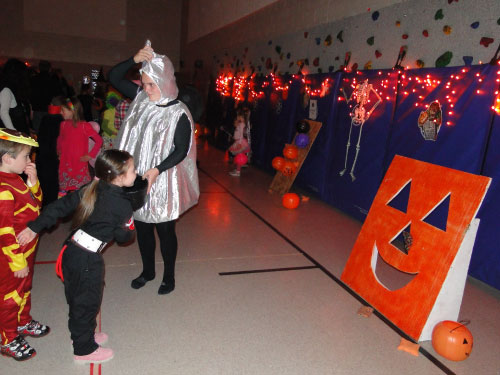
(88, 242)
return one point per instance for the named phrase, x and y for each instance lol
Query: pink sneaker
(100, 355)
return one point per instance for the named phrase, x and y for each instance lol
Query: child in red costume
(19, 204)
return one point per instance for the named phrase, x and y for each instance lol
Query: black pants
(168, 248)
(83, 283)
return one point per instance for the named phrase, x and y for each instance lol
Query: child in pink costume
(240, 144)
(73, 147)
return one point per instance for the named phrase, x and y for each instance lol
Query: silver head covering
(161, 70)
(148, 135)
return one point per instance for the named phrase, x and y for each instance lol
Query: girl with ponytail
(102, 213)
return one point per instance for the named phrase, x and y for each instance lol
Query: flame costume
(19, 204)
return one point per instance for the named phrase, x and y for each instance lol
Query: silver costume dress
(148, 135)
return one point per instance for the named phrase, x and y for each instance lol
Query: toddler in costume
(240, 144)
(19, 203)
(103, 213)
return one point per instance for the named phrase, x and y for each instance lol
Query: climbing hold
(420, 63)
(328, 40)
(474, 25)
(270, 42)
(398, 23)
(485, 41)
(340, 36)
(290, 65)
(468, 60)
(306, 61)
(320, 70)
(368, 65)
(405, 36)
(316, 61)
(318, 41)
(354, 67)
(331, 68)
(439, 15)
(337, 58)
(375, 15)
(277, 49)
(444, 59)
(370, 40)
(269, 63)
(306, 34)
(288, 55)
(378, 54)
(447, 30)
(425, 33)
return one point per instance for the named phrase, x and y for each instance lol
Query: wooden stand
(281, 183)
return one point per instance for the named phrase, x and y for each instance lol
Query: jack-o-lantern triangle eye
(465, 342)
(400, 200)
(438, 216)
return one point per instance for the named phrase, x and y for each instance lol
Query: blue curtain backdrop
(467, 139)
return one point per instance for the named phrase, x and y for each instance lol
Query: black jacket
(112, 212)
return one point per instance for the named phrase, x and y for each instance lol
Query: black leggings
(147, 245)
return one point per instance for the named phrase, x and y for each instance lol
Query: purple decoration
(301, 140)
(375, 15)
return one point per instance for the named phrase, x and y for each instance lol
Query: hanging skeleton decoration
(359, 115)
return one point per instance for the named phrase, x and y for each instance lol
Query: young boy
(19, 204)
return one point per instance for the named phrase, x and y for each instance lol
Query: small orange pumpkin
(290, 200)
(290, 152)
(452, 340)
(289, 168)
(278, 163)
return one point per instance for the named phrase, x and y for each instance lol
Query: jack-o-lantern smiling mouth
(396, 279)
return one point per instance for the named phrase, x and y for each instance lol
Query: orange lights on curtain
(322, 91)
(408, 84)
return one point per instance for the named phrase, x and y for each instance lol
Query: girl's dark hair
(74, 105)
(108, 166)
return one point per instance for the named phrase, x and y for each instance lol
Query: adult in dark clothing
(47, 163)
(158, 132)
(87, 101)
(42, 92)
(15, 108)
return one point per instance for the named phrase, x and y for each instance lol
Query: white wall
(283, 26)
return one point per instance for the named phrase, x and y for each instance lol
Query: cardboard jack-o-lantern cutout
(437, 259)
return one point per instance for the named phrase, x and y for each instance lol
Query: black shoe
(140, 282)
(166, 287)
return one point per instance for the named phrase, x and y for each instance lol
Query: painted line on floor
(267, 270)
(396, 329)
